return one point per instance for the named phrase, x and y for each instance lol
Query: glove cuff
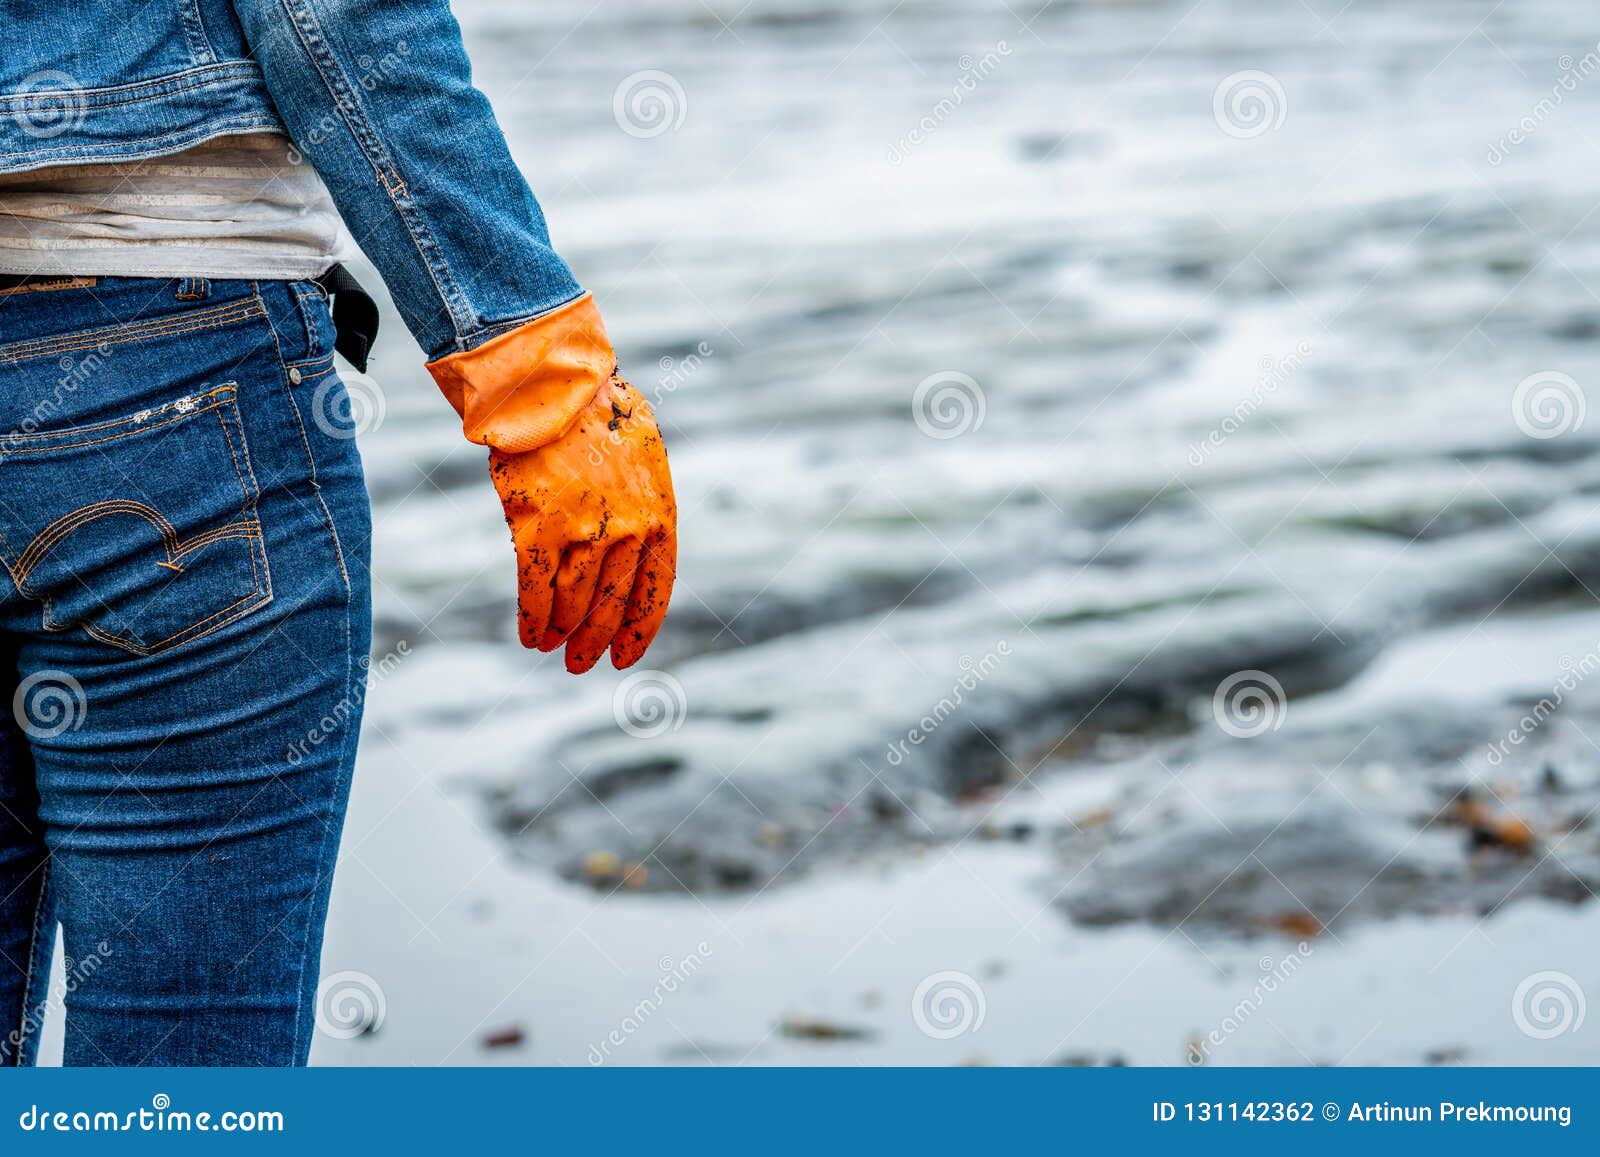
(523, 389)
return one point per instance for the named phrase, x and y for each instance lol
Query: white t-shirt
(241, 206)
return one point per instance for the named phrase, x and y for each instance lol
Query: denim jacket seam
(345, 99)
(118, 149)
(194, 30)
(488, 333)
(173, 82)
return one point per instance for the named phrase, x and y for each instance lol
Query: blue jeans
(184, 631)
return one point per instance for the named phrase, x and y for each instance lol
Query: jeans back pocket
(142, 531)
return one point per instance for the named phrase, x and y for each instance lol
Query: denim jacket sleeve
(378, 94)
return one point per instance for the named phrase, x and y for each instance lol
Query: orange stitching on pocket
(176, 548)
(247, 528)
(240, 608)
(128, 426)
(170, 326)
(249, 495)
(248, 531)
(312, 367)
(129, 420)
(67, 523)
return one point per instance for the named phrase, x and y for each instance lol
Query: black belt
(355, 314)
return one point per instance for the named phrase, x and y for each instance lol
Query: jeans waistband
(32, 298)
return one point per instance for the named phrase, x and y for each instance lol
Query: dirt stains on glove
(578, 462)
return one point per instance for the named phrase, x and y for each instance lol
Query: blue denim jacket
(377, 94)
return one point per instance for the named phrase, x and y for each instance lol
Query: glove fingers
(647, 606)
(536, 573)
(590, 640)
(576, 581)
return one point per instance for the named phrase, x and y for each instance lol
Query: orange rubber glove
(577, 459)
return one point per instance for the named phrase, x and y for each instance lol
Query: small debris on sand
(801, 1027)
(504, 1038)
(1088, 1061)
(602, 867)
(1302, 925)
(1490, 828)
